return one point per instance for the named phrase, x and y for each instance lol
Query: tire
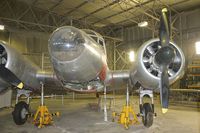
(20, 113)
(147, 118)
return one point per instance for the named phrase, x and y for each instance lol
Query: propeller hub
(165, 56)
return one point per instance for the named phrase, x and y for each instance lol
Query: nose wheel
(147, 109)
(147, 115)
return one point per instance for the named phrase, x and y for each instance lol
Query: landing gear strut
(147, 109)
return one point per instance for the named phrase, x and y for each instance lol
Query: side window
(101, 42)
(95, 39)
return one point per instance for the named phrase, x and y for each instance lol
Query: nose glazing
(66, 43)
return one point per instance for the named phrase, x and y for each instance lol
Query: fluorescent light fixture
(131, 56)
(197, 46)
(143, 24)
(2, 27)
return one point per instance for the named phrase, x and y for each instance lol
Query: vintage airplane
(79, 62)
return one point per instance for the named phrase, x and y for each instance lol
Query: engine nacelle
(147, 72)
(14, 67)
(75, 56)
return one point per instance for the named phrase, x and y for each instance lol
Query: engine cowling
(145, 70)
(75, 56)
(14, 68)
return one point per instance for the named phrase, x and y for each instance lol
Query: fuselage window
(101, 42)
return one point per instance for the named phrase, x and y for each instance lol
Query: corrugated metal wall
(134, 36)
(191, 31)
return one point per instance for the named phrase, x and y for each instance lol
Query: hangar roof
(96, 13)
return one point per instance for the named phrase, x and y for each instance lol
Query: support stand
(42, 116)
(105, 108)
(127, 116)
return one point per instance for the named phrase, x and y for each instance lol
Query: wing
(18, 71)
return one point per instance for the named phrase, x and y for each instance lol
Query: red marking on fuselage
(102, 74)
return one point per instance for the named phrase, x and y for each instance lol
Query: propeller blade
(164, 31)
(9, 77)
(164, 57)
(164, 89)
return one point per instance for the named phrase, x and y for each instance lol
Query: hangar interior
(28, 25)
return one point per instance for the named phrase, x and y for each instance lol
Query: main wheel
(147, 117)
(20, 113)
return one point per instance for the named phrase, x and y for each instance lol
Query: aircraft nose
(66, 43)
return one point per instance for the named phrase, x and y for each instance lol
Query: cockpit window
(96, 37)
(101, 43)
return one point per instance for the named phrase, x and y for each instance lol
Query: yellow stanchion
(43, 117)
(127, 116)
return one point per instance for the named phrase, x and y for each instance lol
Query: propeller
(164, 57)
(6, 74)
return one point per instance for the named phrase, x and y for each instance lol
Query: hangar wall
(191, 31)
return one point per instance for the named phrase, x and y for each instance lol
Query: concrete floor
(77, 117)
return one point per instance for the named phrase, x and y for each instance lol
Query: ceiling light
(197, 46)
(131, 56)
(143, 24)
(2, 27)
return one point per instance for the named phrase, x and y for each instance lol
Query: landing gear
(23, 92)
(147, 109)
(21, 110)
(20, 113)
